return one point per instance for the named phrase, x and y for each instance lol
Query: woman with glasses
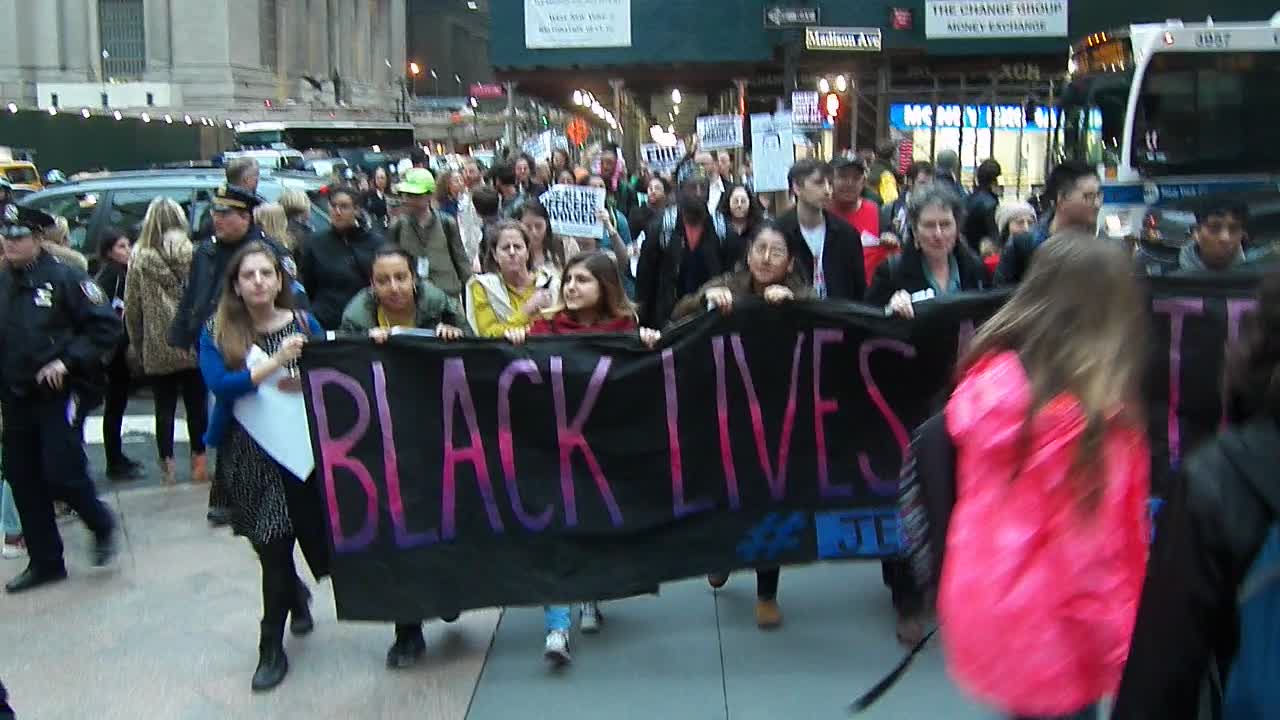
(935, 264)
(769, 274)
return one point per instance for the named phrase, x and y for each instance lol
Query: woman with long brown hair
(591, 301)
(1047, 542)
(254, 336)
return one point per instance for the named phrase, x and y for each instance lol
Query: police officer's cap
(19, 222)
(234, 197)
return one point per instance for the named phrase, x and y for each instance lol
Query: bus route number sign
(1213, 40)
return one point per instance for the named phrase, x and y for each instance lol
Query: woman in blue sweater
(254, 337)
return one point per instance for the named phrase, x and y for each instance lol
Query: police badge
(93, 292)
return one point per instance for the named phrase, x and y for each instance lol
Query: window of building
(268, 32)
(122, 33)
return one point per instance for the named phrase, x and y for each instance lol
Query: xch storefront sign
(978, 19)
(849, 39)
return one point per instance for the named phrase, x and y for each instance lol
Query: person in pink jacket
(1047, 546)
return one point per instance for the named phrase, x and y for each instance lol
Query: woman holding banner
(769, 275)
(512, 291)
(936, 263)
(398, 298)
(591, 301)
(255, 337)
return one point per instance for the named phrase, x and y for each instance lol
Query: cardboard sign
(719, 132)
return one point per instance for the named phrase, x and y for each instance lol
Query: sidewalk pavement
(171, 632)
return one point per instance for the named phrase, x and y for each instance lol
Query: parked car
(120, 199)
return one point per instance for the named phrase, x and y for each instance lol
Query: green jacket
(434, 307)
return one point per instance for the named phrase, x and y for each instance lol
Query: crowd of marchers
(1041, 600)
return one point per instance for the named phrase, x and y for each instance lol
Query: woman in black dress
(256, 336)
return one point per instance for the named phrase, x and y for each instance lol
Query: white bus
(1171, 112)
(361, 144)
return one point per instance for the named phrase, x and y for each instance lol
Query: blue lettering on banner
(776, 533)
(1153, 509)
(920, 116)
(863, 533)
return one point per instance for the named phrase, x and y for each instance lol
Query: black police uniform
(209, 263)
(50, 311)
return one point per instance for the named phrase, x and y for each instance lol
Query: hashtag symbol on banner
(778, 532)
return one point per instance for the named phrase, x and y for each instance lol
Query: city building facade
(247, 58)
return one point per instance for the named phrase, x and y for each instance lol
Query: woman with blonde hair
(1046, 547)
(297, 208)
(153, 288)
(272, 219)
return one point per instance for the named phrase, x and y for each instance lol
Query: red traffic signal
(832, 104)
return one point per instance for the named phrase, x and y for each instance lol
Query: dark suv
(120, 199)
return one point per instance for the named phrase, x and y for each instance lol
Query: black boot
(33, 577)
(300, 620)
(408, 648)
(273, 665)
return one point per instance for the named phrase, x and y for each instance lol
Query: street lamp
(435, 83)
(675, 96)
(414, 69)
(842, 83)
(577, 97)
(458, 79)
(824, 86)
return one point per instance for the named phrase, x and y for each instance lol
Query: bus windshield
(1093, 109)
(1208, 113)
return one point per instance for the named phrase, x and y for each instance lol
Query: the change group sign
(476, 473)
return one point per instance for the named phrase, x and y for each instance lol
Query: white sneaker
(557, 648)
(12, 552)
(591, 618)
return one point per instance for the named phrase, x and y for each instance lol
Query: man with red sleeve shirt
(848, 201)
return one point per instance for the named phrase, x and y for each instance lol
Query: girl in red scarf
(591, 301)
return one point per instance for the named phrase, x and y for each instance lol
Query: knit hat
(1010, 209)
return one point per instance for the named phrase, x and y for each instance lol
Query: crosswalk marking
(136, 429)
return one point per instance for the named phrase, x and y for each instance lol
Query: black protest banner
(475, 473)
(1194, 319)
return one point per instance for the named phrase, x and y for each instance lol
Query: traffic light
(832, 104)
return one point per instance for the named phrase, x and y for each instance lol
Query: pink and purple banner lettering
(475, 473)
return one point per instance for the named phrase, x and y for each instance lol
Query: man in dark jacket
(827, 250)
(1077, 195)
(58, 325)
(232, 228)
(337, 264)
(980, 208)
(1209, 531)
(683, 250)
(893, 217)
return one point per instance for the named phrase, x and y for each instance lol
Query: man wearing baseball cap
(849, 200)
(58, 328)
(430, 237)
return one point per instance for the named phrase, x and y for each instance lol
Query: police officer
(56, 327)
(232, 228)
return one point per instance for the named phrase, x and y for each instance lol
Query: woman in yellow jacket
(511, 293)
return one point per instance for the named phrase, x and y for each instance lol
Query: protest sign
(572, 209)
(270, 416)
(662, 159)
(719, 132)
(773, 151)
(805, 111)
(539, 147)
(476, 473)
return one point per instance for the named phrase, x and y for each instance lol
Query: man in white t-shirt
(826, 248)
(707, 161)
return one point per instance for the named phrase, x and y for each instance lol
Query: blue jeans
(9, 513)
(557, 617)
